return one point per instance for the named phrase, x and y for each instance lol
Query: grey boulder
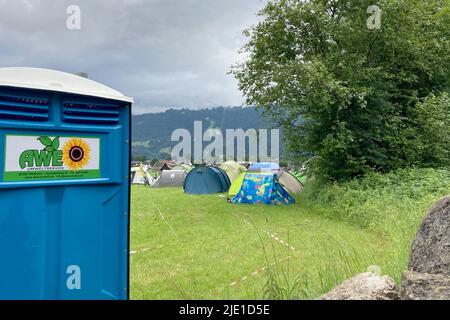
(431, 248)
(423, 286)
(365, 286)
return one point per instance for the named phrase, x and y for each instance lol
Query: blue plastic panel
(66, 238)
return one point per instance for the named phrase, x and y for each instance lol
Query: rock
(365, 286)
(422, 286)
(431, 248)
(428, 277)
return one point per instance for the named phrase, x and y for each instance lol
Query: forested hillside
(152, 132)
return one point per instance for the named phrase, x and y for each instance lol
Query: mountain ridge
(151, 132)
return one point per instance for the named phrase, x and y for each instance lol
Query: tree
(342, 92)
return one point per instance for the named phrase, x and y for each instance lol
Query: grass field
(201, 247)
(195, 247)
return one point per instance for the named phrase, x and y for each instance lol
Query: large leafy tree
(354, 97)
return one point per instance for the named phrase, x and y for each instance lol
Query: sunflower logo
(76, 154)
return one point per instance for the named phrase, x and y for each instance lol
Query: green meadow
(201, 247)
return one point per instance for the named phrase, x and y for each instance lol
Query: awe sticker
(37, 158)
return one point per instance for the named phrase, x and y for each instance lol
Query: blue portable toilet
(64, 187)
(206, 180)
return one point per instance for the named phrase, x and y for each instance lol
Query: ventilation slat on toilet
(76, 112)
(24, 107)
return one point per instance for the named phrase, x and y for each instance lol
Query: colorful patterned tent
(289, 182)
(262, 188)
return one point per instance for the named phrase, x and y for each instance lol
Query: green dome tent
(236, 186)
(233, 169)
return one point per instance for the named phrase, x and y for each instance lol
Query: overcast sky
(163, 53)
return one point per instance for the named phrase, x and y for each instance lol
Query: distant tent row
(154, 177)
(262, 183)
(233, 178)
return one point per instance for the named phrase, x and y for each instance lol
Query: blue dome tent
(264, 167)
(206, 180)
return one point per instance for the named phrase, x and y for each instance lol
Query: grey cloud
(164, 53)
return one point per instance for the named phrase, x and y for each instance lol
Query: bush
(384, 202)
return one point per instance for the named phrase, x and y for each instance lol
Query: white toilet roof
(51, 80)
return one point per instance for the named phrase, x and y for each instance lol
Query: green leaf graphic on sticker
(46, 141)
(55, 144)
(49, 149)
